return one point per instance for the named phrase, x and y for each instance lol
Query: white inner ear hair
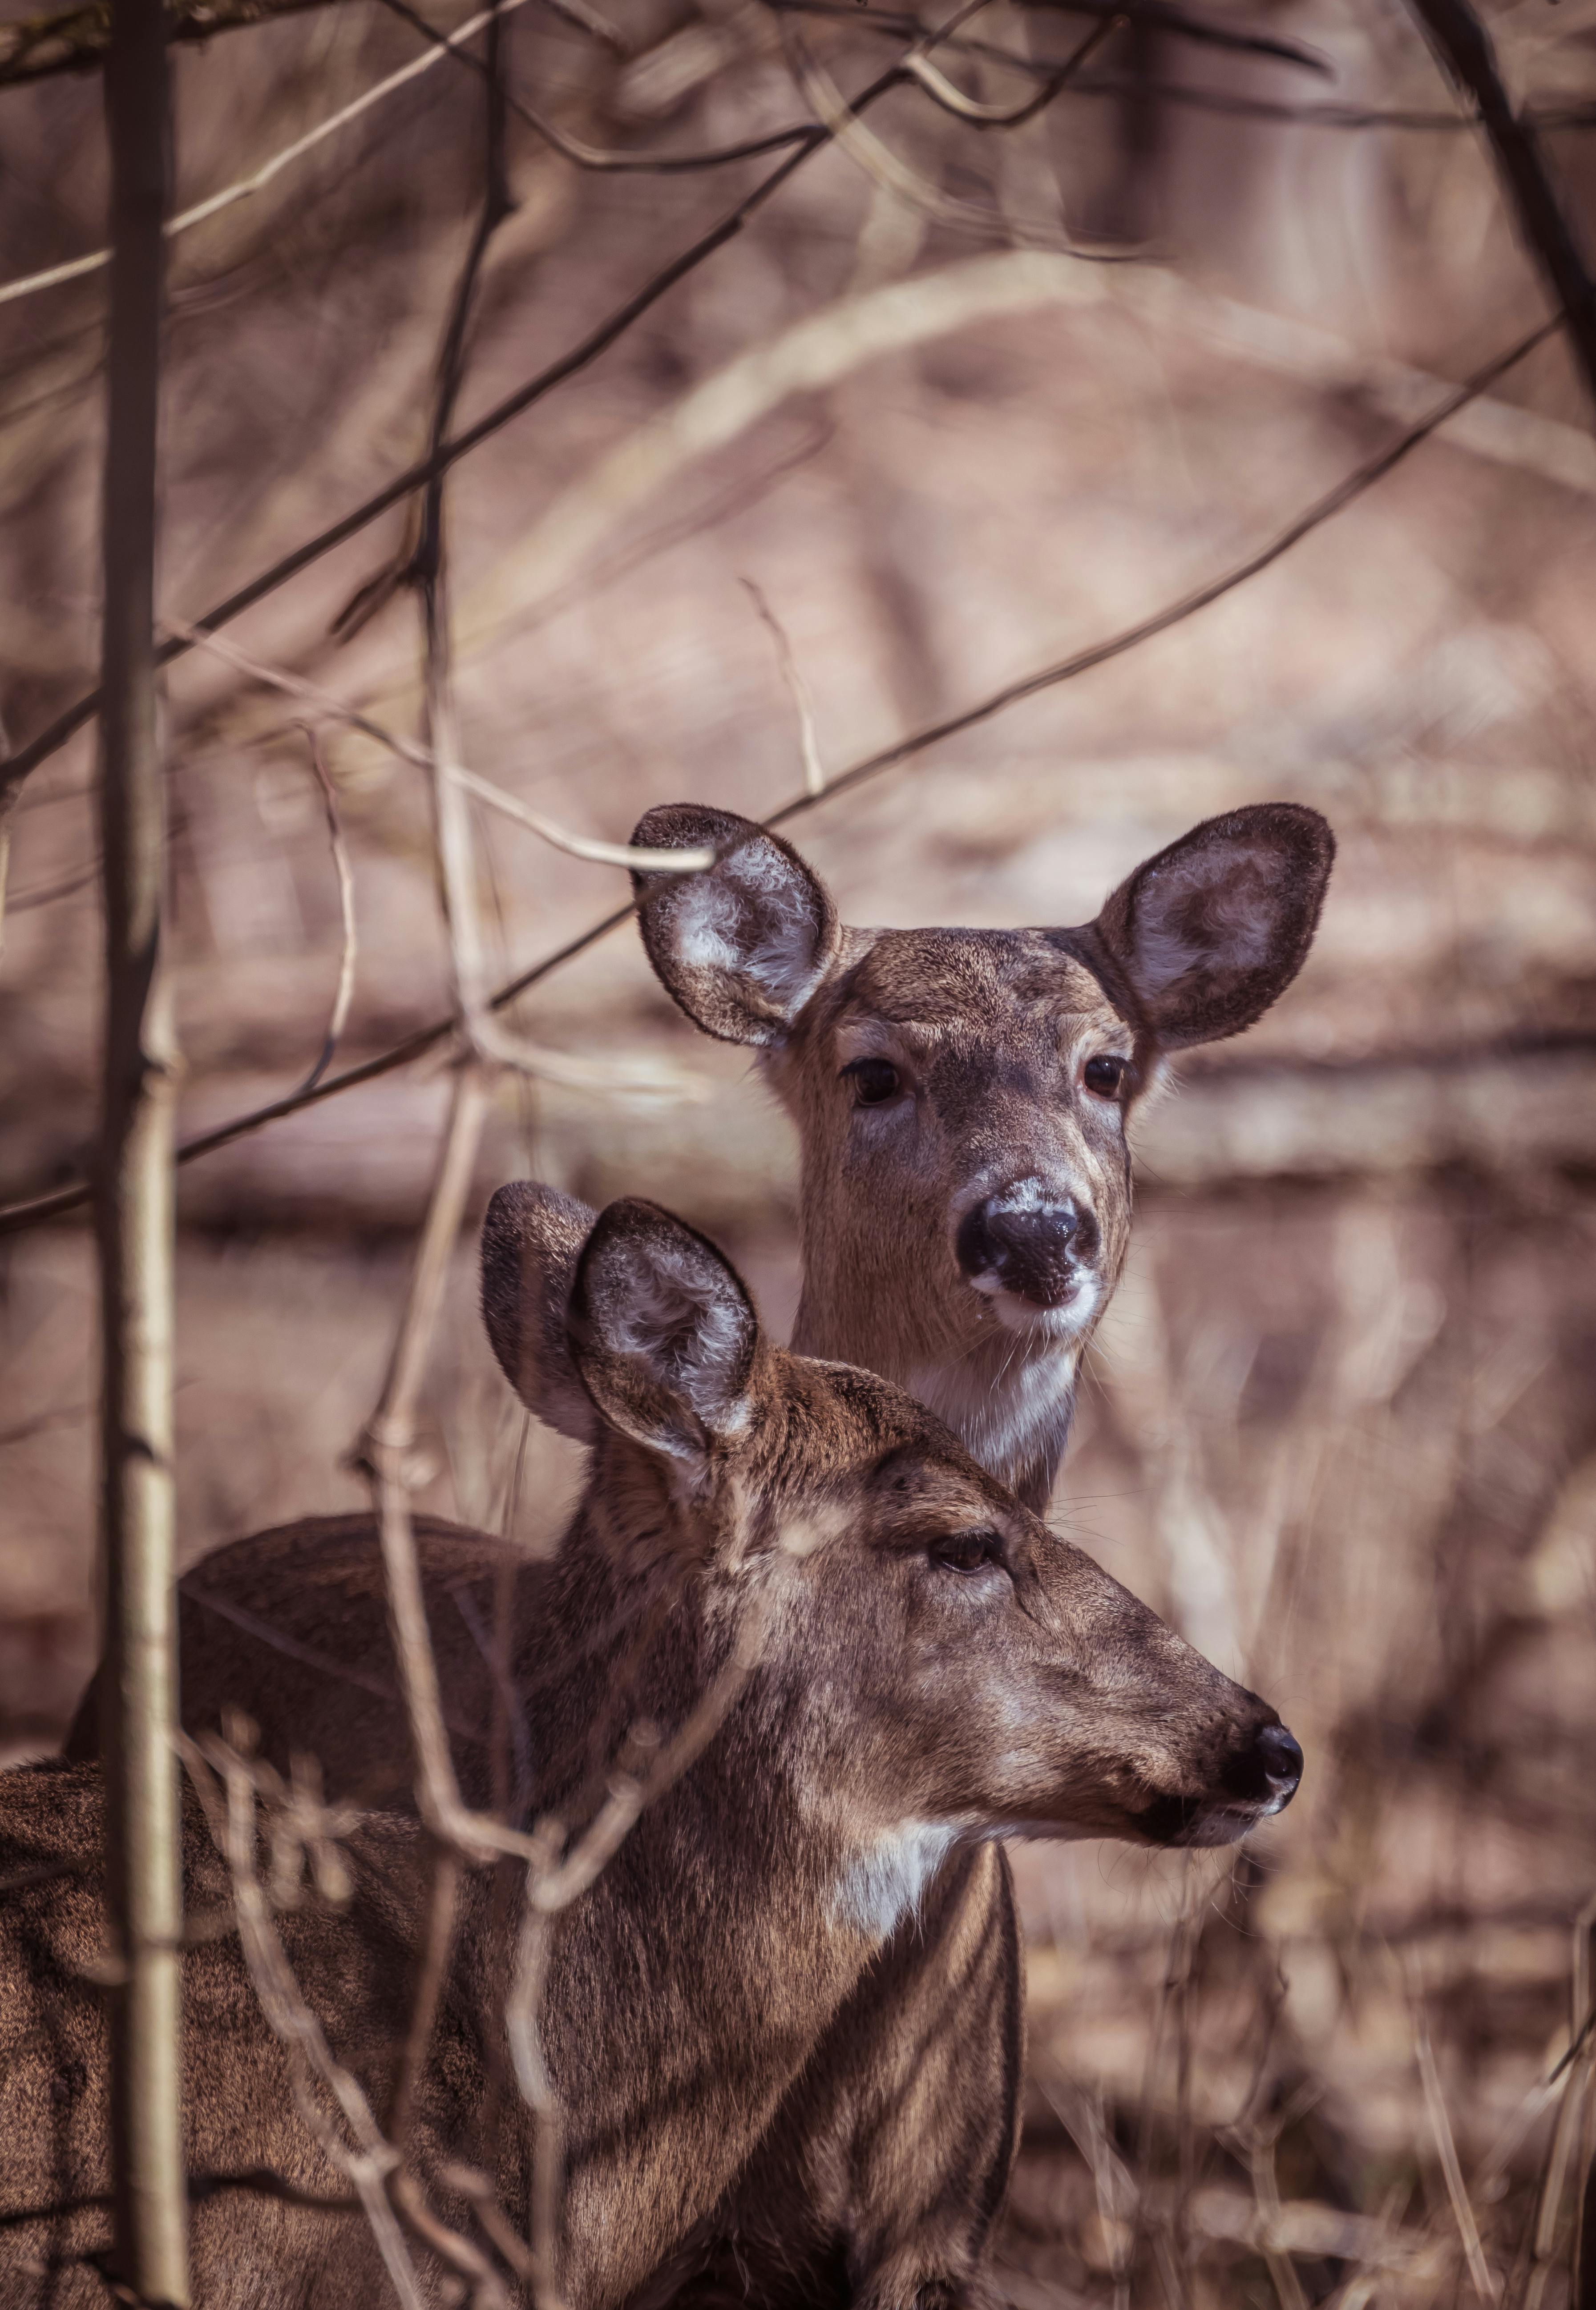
(1233, 928)
(701, 922)
(753, 915)
(689, 1327)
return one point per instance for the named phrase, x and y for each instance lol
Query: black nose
(1269, 1771)
(1024, 1240)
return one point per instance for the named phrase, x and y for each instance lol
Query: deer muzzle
(1258, 1780)
(1034, 1242)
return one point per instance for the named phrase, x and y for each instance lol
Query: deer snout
(1029, 1240)
(1267, 1773)
(1258, 1779)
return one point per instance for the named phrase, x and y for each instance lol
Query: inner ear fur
(663, 1332)
(532, 1239)
(743, 945)
(1204, 937)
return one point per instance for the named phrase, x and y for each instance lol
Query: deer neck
(688, 1988)
(1008, 1396)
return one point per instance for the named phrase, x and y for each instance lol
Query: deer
(934, 1671)
(963, 1101)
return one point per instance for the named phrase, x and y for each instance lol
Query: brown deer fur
(988, 1037)
(937, 1669)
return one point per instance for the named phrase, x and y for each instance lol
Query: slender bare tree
(134, 1211)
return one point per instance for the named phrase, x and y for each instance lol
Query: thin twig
(442, 1903)
(1266, 2190)
(1485, 2284)
(311, 2058)
(388, 1448)
(343, 994)
(75, 39)
(32, 1210)
(814, 771)
(635, 858)
(598, 340)
(373, 2166)
(889, 170)
(427, 569)
(595, 157)
(1207, 31)
(74, 269)
(941, 90)
(1464, 45)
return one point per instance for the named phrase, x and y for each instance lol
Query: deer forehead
(981, 999)
(845, 1456)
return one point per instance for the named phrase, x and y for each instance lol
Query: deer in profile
(962, 1100)
(936, 1669)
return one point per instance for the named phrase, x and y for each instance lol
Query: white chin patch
(1060, 1323)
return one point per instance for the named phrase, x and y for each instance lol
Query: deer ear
(663, 1332)
(1208, 933)
(743, 946)
(532, 1239)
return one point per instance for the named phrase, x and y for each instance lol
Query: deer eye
(875, 1081)
(966, 1552)
(1105, 1076)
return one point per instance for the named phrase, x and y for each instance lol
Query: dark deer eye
(875, 1081)
(1105, 1076)
(966, 1552)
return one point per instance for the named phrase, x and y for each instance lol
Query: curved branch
(75, 39)
(1182, 22)
(343, 994)
(59, 1200)
(1463, 46)
(597, 157)
(259, 179)
(27, 758)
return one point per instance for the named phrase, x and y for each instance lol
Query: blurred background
(1340, 1424)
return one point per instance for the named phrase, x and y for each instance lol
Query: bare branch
(75, 39)
(889, 171)
(814, 772)
(388, 1448)
(1002, 115)
(553, 1883)
(634, 857)
(442, 1907)
(258, 179)
(1205, 30)
(311, 2060)
(30, 1210)
(598, 157)
(27, 758)
(1484, 2285)
(344, 993)
(811, 355)
(1462, 42)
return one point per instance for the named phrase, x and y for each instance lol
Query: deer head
(936, 1664)
(962, 1097)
